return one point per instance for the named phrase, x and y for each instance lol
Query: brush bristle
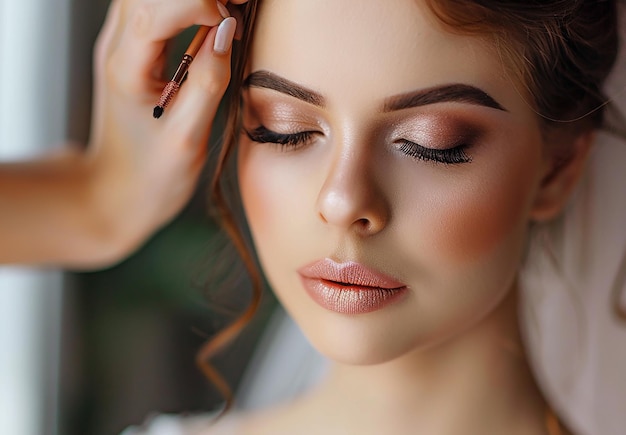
(157, 112)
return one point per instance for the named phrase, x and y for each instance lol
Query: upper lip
(351, 273)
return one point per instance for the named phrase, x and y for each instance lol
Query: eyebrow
(458, 92)
(266, 79)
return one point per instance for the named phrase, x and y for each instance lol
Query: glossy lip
(349, 288)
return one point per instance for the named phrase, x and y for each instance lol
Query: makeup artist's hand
(91, 209)
(147, 168)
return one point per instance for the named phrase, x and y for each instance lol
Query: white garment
(166, 424)
(576, 343)
(172, 424)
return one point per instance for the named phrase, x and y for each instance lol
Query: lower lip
(350, 299)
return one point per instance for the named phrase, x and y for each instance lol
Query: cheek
(274, 204)
(471, 217)
(258, 192)
(254, 192)
(475, 221)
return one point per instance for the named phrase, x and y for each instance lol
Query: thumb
(191, 113)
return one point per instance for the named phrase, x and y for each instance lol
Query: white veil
(573, 288)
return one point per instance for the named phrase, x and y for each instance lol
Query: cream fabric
(577, 343)
(172, 424)
(574, 278)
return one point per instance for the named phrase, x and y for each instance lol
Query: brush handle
(197, 41)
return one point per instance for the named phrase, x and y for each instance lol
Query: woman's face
(387, 170)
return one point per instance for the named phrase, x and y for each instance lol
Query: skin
(448, 357)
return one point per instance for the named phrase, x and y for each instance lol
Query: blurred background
(91, 353)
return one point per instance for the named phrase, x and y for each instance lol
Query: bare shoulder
(289, 418)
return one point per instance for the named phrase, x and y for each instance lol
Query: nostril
(364, 223)
(366, 226)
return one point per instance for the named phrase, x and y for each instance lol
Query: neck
(479, 382)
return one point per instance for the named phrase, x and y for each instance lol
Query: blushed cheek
(270, 196)
(254, 193)
(474, 222)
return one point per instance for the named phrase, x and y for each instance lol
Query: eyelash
(289, 140)
(450, 156)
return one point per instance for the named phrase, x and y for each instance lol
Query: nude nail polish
(224, 35)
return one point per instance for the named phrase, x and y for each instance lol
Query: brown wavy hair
(559, 52)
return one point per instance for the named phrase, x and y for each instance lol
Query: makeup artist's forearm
(50, 214)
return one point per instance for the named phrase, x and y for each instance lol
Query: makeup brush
(173, 85)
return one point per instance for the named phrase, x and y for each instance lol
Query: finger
(150, 24)
(102, 49)
(192, 113)
(158, 20)
(104, 41)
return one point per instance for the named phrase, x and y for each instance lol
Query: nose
(352, 198)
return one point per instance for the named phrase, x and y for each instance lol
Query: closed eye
(292, 140)
(449, 156)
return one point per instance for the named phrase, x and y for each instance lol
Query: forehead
(371, 49)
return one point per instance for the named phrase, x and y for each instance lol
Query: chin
(360, 353)
(390, 334)
(361, 340)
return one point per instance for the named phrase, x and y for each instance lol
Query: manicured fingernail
(223, 11)
(224, 35)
